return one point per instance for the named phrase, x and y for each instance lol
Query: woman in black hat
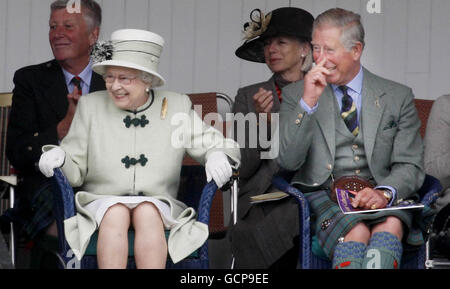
(266, 233)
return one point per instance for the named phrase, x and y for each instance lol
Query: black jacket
(39, 104)
(264, 232)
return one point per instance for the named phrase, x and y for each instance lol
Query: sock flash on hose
(384, 252)
(349, 255)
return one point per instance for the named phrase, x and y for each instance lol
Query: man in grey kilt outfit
(342, 120)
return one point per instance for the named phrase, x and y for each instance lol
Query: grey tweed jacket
(437, 146)
(390, 123)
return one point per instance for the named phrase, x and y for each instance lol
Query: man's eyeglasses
(125, 80)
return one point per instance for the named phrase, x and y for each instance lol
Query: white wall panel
(395, 43)
(136, 14)
(419, 24)
(206, 44)
(352, 5)
(39, 44)
(274, 4)
(407, 42)
(418, 47)
(304, 4)
(113, 17)
(182, 46)
(5, 79)
(418, 81)
(373, 52)
(160, 21)
(228, 66)
(439, 76)
(321, 6)
(18, 37)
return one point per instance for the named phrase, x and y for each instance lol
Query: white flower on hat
(102, 51)
(257, 26)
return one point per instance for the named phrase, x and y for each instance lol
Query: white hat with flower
(131, 48)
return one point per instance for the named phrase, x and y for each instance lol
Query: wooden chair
(423, 107)
(208, 102)
(7, 179)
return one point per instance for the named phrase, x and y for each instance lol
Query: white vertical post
(12, 244)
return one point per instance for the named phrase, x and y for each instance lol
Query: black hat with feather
(286, 21)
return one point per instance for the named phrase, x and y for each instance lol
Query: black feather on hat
(286, 21)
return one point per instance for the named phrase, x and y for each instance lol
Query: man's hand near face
(314, 83)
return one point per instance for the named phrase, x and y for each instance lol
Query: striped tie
(76, 80)
(349, 112)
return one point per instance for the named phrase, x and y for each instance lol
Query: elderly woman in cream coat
(125, 149)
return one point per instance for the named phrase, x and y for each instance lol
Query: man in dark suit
(44, 101)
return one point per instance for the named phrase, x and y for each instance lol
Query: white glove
(51, 159)
(218, 168)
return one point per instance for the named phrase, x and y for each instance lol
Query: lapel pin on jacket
(377, 102)
(164, 108)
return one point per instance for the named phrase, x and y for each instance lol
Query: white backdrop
(409, 41)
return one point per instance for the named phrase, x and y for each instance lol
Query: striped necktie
(349, 112)
(76, 80)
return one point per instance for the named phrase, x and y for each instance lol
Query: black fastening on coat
(143, 121)
(132, 161)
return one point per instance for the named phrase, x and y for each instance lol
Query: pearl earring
(147, 90)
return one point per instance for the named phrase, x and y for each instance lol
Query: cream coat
(97, 142)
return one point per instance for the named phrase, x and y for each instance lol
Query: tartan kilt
(42, 208)
(329, 224)
(34, 215)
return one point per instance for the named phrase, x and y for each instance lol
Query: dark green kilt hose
(328, 223)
